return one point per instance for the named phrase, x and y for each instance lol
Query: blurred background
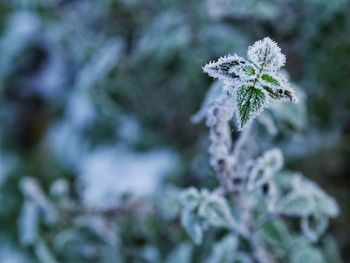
(96, 99)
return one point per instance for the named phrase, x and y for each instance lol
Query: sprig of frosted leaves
(255, 82)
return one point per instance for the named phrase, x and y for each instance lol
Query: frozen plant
(255, 196)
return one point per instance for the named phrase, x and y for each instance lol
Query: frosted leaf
(193, 225)
(266, 53)
(291, 115)
(322, 202)
(307, 200)
(201, 209)
(295, 204)
(216, 211)
(265, 166)
(313, 226)
(223, 68)
(224, 251)
(277, 87)
(249, 101)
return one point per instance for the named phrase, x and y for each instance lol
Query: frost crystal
(253, 84)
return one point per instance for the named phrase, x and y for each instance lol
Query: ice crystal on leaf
(255, 82)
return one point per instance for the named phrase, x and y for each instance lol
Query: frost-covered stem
(241, 148)
(229, 165)
(218, 119)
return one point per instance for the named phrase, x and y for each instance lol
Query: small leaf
(250, 101)
(224, 251)
(265, 166)
(266, 53)
(295, 204)
(280, 94)
(223, 68)
(321, 202)
(216, 211)
(193, 225)
(292, 116)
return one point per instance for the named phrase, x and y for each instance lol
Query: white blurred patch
(108, 172)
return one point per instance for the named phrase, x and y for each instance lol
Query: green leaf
(270, 79)
(250, 101)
